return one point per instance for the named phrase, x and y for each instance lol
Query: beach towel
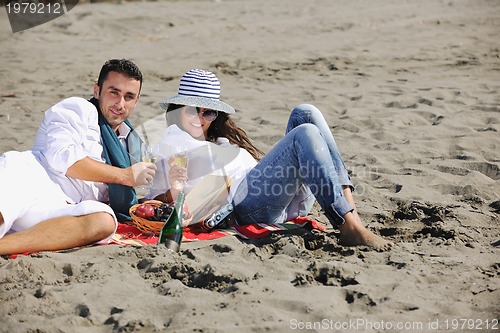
(128, 234)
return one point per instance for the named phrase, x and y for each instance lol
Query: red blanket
(130, 235)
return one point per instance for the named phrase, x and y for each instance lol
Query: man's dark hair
(122, 66)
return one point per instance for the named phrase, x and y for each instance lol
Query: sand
(411, 90)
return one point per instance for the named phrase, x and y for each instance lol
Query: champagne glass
(149, 153)
(180, 158)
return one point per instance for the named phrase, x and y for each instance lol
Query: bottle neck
(179, 204)
(180, 199)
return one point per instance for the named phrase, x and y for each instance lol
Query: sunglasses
(208, 115)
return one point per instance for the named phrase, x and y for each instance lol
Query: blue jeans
(304, 165)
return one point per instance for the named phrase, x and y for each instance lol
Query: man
(86, 145)
(35, 214)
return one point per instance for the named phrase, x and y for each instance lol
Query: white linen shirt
(221, 158)
(68, 133)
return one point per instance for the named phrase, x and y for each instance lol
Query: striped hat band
(199, 83)
(201, 89)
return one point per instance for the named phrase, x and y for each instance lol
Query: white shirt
(68, 133)
(204, 158)
(123, 132)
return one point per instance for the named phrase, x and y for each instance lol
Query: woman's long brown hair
(223, 126)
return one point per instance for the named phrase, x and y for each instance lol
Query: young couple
(81, 159)
(304, 166)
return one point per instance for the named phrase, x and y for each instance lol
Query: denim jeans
(304, 165)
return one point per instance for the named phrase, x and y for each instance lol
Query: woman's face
(196, 121)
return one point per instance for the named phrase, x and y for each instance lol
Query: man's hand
(143, 173)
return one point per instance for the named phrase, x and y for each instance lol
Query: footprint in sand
(488, 169)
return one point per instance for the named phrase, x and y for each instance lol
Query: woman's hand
(177, 174)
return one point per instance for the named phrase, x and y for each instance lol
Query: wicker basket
(148, 226)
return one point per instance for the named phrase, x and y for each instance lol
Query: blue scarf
(121, 197)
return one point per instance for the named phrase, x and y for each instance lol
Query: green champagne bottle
(171, 232)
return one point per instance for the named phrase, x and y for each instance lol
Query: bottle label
(172, 245)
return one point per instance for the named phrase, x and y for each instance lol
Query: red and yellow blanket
(130, 235)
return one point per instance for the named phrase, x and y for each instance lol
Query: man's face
(117, 97)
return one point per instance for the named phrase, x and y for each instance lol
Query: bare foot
(353, 233)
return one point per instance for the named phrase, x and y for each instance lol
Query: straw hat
(201, 89)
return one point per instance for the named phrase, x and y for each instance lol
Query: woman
(305, 164)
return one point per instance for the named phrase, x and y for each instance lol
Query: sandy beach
(411, 91)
